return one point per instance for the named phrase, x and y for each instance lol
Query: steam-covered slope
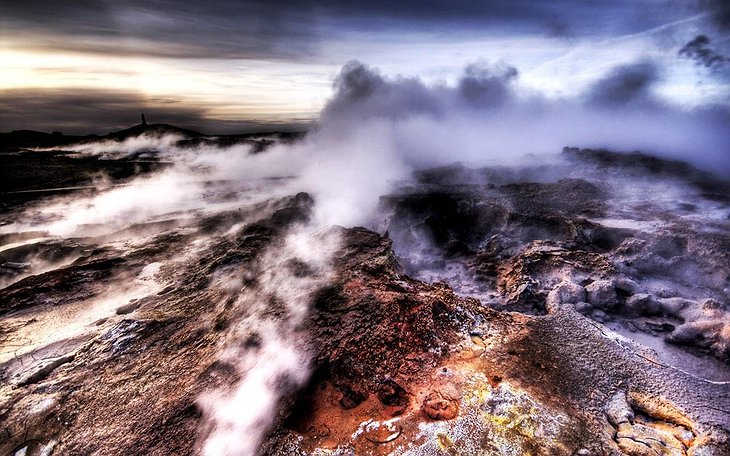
(397, 365)
(576, 305)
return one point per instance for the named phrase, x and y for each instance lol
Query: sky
(225, 66)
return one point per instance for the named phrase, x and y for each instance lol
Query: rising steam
(278, 363)
(373, 132)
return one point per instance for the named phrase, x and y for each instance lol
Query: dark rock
(602, 294)
(127, 309)
(659, 327)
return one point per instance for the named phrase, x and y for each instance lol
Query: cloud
(698, 50)
(719, 13)
(85, 111)
(487, 117)
(374, 131)
(377, 129)
(482, 85)
(77, 111)
(187, 29)
(363, 92)
(625, 84)
(296, 29)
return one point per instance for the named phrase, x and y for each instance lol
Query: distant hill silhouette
(21, 139)
(157, 129)
(18, 139)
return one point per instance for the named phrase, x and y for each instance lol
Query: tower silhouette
(144, 121)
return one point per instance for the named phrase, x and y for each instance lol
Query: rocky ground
(577, 307)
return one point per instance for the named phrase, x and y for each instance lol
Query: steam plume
(373, 132)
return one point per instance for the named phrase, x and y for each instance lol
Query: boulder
(642, 304)
(566, 292)
(602, 294)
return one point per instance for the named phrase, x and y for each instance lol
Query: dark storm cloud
(434, 125)
(159, 28)
(625, 84)
(711, 53)
(362, 91)
(483, 85)
(700, 52)
(719, 12)
(356, 82)
(74, 111)
(288, 28)
(363, 88)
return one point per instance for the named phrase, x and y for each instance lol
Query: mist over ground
(373, 137)
(376, 130)
(427, 227)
